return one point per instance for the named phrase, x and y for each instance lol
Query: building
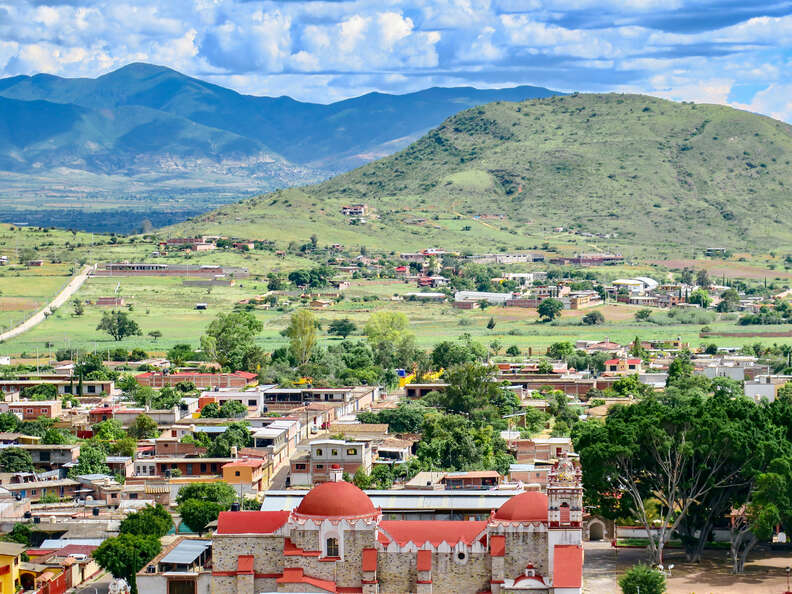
(622, 366)
(110, 302)
(238, 380)
(182, 567)
(33, 409)
(337, 540)
(354, 210)
(327, 454)
(248, 475)
(10, 560)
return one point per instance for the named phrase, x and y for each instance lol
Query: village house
(238, 380)
(248, 475)
(623, 366)
(183, 566)
(325, 454)
(354, 210)
(30, 410)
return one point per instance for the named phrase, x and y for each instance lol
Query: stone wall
(267, 551)
(396, 572)
(523, 548)
(449, 575)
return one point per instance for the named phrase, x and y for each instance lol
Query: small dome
(336, 500)
(530, 506)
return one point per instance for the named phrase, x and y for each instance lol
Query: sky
(736, 52)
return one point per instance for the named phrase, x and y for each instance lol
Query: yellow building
(9, 566)
(248, 475)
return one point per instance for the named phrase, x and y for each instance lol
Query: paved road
(62, 297)
(100, 585)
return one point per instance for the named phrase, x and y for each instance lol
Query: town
(369, 460)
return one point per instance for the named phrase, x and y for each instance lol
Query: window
(91, 389)
(564, 513)
(113, 495)
(335, 452)
(44, 456)
(189, 469)
(319, 466)
(203, 468)
(332, 547)
(352, 452)
(319, 452)
(251, 403)
(236, 473)
(299, 466)
(133, 495)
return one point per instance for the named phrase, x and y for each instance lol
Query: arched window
(332, 547)
(564, 513)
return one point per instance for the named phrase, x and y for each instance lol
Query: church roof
(337, 499)
(435, 531)
(530, 506)
(251, 522)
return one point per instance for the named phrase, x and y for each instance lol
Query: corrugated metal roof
(412, 500)
(186, 552)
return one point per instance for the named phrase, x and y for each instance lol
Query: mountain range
(144, 116)
(624, 172)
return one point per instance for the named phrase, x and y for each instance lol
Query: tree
(642, 579)
(678, 449)
(491, 323)
(407, 417)
(78, 307)
(544, 367)
(9, 422)
(496, 346)
(230, 338)
(229, 409)
(15, 460)
(109, 430)
(703, 279)
(40, 392)
(561, 350)
(92, 460)
(342, 328)
(549, 309)
(220, 493)
(513, 351)
(593, 318)
(197, 513)
(155, 334)
(119, 325)
(125, 555)
(386, 326)
(179, 354)
(152, 520)
(700, 297)
(730, 300)
(236, 435)
(144, 427)
(643, 315)
(302, 335)
(680, 368)
(20, 533)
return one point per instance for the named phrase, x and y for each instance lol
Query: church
(335, 540)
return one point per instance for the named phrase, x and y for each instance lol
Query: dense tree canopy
(230, 340)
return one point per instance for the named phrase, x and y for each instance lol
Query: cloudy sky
(724, 51)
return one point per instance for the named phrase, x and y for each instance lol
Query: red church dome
(530, 506)
(336, 500)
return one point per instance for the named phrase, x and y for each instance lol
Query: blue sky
(727, 51)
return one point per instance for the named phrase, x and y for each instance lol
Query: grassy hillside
(666, 177)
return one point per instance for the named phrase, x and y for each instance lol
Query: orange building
(248, 475)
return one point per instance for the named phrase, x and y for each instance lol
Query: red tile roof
(435, 531)
(251, 522)
(369, 559)
(567, 566)
(252, 462)
(424, 560)
(498, 545)
(245, 564)
(295, 575)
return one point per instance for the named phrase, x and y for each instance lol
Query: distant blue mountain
(144, 118)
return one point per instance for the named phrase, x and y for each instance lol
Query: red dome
(336, 500)
(530, 506)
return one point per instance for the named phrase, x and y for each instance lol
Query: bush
(642, 579)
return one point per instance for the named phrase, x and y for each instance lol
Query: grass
(164, 304)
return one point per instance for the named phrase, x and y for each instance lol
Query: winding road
(74, 285)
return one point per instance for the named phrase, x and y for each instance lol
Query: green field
(164, 304)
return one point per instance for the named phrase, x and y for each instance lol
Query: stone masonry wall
(267, 551)
(524, 548)
(449, 576)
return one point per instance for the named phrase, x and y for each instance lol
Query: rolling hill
(661, 176)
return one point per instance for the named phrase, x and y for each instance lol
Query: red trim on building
(567, 566)
(424, 562)
(369, 559)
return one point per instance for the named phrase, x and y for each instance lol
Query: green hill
(659, 174)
